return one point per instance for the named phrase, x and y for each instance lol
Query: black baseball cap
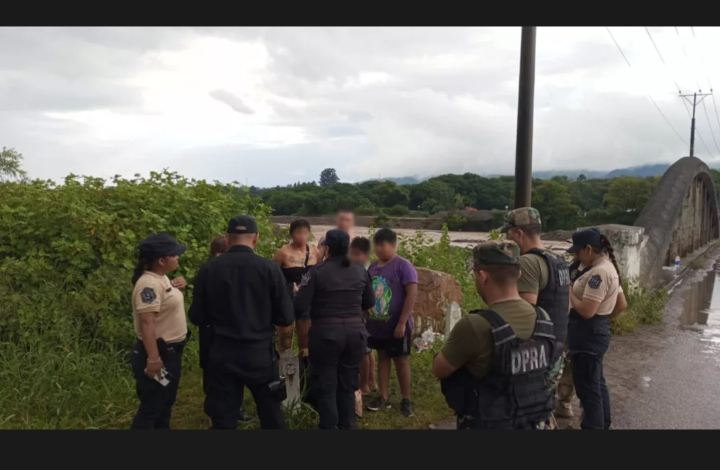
(242, 224)
(160, 245)
(583, 238)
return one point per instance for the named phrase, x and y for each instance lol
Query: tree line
(563, 202)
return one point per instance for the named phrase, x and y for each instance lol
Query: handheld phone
(163, 378)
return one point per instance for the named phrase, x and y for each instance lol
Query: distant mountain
(640, 171)
(571, 174)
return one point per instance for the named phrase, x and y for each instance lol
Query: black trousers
(589, 340)
(337, 348)
(224, 396)
(590, 387)
(156, 401)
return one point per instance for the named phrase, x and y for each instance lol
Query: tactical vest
(555, 297)
(515, 393)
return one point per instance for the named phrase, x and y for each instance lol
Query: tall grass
(645, 307)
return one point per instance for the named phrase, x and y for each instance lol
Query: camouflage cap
(521, 217)
(497, 252)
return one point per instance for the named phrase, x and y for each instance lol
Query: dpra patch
(595, 281)
(148, 295)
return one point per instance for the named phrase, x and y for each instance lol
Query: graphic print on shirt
(383, 296)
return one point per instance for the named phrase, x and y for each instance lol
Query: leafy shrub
(455, 222)
(398, 210)
(645, 307)
(381, 220)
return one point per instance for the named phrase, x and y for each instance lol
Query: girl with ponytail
(596, 297)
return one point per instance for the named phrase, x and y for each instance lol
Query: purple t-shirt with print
(389, 283)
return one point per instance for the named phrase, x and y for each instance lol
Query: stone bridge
(680, 219)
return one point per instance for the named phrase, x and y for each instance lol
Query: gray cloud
(235, 102)
(367, 101)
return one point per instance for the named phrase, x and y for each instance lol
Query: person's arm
(530, 275)
(368, 297)
(620, 305)
(179, 283)
(282, 309)
(279, 257)
(595, 291)
(198, 307)
(461, 346)
(147, 305)
(409, 280)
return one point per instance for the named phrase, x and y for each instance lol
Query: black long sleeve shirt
(330, 289)
(242, 296)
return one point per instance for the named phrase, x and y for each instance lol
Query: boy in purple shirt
(390, 323)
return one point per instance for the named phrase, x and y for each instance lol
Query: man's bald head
(244, 239)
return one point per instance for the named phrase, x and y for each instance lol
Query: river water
(702, 310)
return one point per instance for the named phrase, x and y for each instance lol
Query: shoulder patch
(147, 295)
(595, 281)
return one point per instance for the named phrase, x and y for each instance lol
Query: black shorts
(393, 347)
(303, 315)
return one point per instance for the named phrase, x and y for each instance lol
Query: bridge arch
(680, 217)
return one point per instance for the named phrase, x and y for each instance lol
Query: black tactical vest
(555, 297)
(514, 394)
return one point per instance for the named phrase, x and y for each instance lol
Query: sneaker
(377, 403)
(406, 408)
(243, 417)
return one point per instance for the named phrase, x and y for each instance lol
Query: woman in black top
(337, 293)
(295, 259)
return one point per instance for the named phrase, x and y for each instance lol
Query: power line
(661, 57)
(709, 125)
(707, 78)
(685, 53)
(647, 94)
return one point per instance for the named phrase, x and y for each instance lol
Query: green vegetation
(645, 307)
(563, 203)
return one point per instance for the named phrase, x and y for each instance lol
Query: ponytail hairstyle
(607, 248)
(141, 266)
(337, 243)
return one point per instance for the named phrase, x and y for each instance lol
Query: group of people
(248, 309)
(500, 368)
(544, 332)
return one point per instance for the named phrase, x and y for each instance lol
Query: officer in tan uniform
(161, 328)
(544, 279)
(594, 299)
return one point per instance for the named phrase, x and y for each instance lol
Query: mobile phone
(163, 378)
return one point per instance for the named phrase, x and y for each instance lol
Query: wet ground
(668, 376)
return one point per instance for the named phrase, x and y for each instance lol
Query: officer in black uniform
(337, 293)
(239, 297)
(493, 367)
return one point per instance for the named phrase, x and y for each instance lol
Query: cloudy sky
(277, 105)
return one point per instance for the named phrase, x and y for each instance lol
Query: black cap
(241, 224)
(583, 238)
(159, 246)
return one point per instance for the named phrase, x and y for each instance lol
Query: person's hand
(296, 288)
(400, 330)
(153, 368)
(179, 283)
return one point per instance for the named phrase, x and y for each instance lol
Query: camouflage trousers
(560, 381)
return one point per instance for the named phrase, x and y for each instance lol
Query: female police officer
(161, 328)
(337, 293)
(594, 297)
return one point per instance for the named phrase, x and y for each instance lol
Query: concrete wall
(680, 217)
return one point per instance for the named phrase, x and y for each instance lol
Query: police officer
(594, 300)
(544, 279)
(240, 296)
(161, 328)
(493, 367)
(337, 293)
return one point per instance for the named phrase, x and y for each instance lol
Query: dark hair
(532, 230)
(299, 223)
(361, 244)
(385, 235)
(141, 266)
(503, 275)
(606, 248)
(218, 246)
(338, 244)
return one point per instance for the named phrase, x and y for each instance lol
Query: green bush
(381, 220)
(398, 210)
(645, 307)
(455, 222)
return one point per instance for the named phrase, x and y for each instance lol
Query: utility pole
(694, 103)
(526, 98)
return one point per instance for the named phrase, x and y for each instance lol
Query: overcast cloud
(277, 105)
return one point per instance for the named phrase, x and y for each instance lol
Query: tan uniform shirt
(154, 293)
(533, 273)
(471, 343)
(601, 284)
